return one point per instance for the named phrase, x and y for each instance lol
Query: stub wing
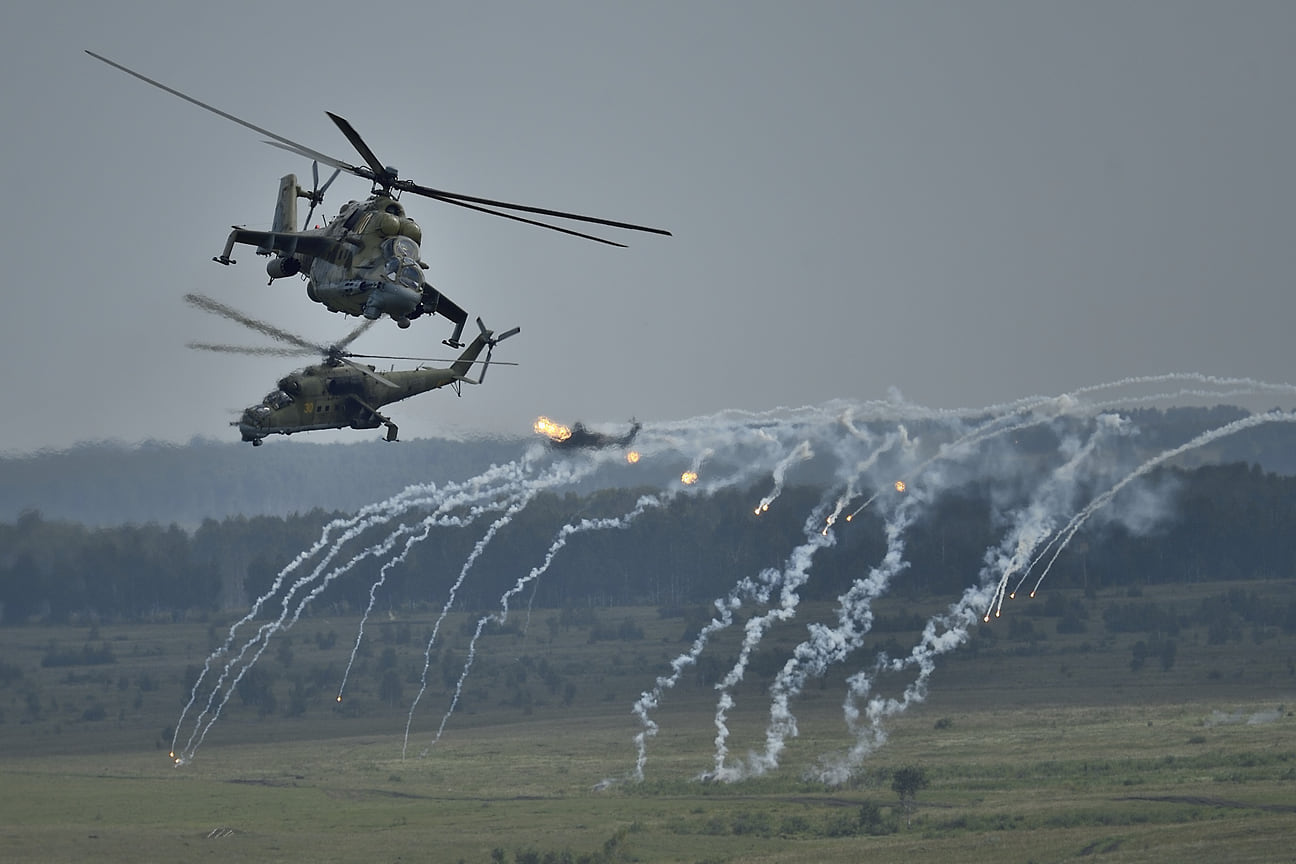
(289, 244)
(436, 303)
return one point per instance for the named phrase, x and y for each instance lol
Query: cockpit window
(276, 399)
(401, 247)
(402, 262)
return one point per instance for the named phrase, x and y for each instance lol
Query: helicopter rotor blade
(377, 173)
(380, 172)
(246, 349)
(558, 228)
(353, 335)
(320, 157)
(207, 304)
(429, 359)
(463, 200)
(286, 143)
(365, 370)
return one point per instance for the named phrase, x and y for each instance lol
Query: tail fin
(485, 339)
(464, 364)
(285, 215)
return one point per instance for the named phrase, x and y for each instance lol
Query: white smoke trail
(941, 635)
(645, 503)
(562, 473)
(1034, 522)
(802, 452)
(829, 645)
(283, 623)
(1201, 440)
(946, 632)
(418, 533)
(447, 498)
(746, 589)
(789, 580)
(746, 442)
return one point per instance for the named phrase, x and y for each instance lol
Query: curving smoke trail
(1201, 440)
(1053, 497)
(445, 499)
(645, 503)
(417, 534)
(802, 453)
(561, 474)
(789, 581)
(283, 623)
(827, 645)
(847, 448)
(943, 633)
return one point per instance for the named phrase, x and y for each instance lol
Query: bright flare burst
(900, 486)
(633, 457)
(688, 478)
(555, 431)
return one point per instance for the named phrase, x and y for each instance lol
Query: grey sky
(969, 202)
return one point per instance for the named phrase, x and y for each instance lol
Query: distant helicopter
(339, 392)
(579, 435)
(365, 261)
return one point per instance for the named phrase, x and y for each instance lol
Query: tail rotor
(316, 195)
(491, 342)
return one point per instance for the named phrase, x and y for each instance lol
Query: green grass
(1054, 752)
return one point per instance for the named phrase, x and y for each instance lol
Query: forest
(1226, 523)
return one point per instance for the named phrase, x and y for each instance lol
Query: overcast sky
(967, 201)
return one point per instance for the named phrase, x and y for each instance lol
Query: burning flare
(688, 478)
(900, 486)
(555, 431)
(633, 457)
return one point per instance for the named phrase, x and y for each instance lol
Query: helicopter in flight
(366, 260)
(581, 436)
(339, 392)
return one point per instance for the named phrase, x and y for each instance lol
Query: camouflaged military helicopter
(580, 436)
(366, 260)
(339, 392)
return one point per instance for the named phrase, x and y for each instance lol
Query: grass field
(1043, 749)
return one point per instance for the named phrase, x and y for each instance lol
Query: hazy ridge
(104, 484)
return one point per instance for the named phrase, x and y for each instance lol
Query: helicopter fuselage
(366, 261)
(338, 396)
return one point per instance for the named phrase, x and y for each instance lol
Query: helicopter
(366, 260)
(339, 392)
(580, 436)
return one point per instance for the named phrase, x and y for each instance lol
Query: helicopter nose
(392, 298)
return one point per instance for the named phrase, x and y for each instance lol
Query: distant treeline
(109, 484)
(1227, 522)
(112, 484)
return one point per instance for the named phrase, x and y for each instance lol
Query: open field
(1045, 749)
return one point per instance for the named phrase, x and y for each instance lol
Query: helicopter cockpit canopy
(276, 399)
(257, 415)
(402, 262)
